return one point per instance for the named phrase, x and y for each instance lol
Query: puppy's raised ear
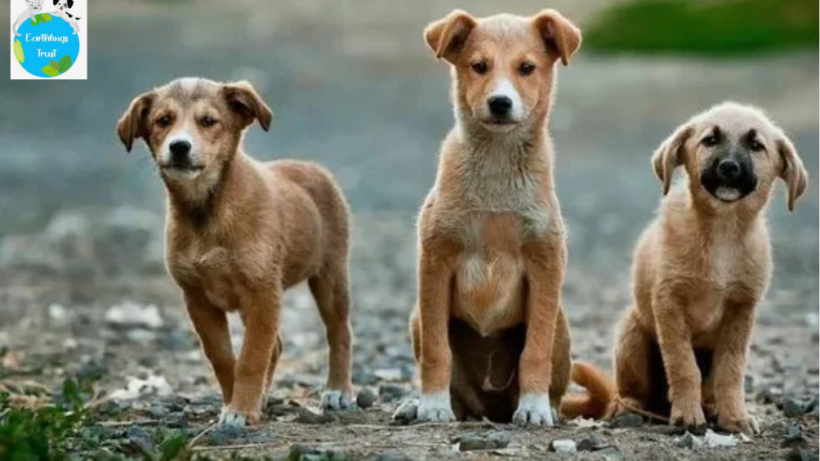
(669, 155)
(793, 172)
(134, 122)
(560, 36)
(243, 99)
(446, 37)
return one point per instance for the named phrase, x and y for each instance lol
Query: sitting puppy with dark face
(240, 232)
(701, 268)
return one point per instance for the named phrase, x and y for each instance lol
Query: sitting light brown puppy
(701, 268)
(240, 232)
(488, 331)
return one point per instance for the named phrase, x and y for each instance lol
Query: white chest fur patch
(725, 261)
(495, 181)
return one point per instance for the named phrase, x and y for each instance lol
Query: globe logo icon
(46, 47)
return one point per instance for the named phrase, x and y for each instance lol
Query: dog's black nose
(728, 169)
(499, 105)
(180, 151)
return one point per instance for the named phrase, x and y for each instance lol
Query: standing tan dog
(488, 330)
(240, 232)
(701, 268)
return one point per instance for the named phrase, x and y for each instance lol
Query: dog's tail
(600, 393)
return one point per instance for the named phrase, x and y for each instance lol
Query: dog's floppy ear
(134, 124)
(70, 3)
(793, 172)
(669, 155)
(560, 36)
(56, 2)
(247, 103)
(446, 37)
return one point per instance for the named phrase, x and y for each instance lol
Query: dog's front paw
(408, 411)
(534, 410)
(234, 418)
(335, 400)
(687, 414)
(744, 424)
(435, 408)
(229, 418)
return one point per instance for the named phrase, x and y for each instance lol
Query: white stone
(564, 447)
(131, 314)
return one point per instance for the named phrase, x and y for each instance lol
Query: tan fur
(699, 271)
(240, 232)
(491, 237)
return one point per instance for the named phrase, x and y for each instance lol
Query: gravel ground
(84, 289)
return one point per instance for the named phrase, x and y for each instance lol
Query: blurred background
(352, 85)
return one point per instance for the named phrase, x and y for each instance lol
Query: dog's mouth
(729, 191)
(495, 124)
(181, 168)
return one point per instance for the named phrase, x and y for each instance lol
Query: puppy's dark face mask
(728, 170)
(732, 153)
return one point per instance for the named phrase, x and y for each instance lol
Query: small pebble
(793, 407)
(407, 411)
(627, 420)
(222, 435)
(591, 443)
(610, 454)
(489, 441)
(365, 399)
(690, 441)
(308, 417)
(564, 447)
(794, 437)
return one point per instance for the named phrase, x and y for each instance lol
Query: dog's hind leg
(330, 289)
(633, 368)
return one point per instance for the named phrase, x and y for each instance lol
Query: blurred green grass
(716, 27)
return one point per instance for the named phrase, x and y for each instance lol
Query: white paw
(408, 411)
(534, 410)
(435, 408)
(335, 400)
(229, 418)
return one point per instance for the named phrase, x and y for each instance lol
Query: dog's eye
(526, 68)
(710, 141)
(479, 67)
(207, 121)
(164, 121)
(756, 146)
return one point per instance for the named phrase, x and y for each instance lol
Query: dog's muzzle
(730, 177)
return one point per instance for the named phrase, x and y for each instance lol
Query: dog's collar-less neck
(201, 212)
(737, 221)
